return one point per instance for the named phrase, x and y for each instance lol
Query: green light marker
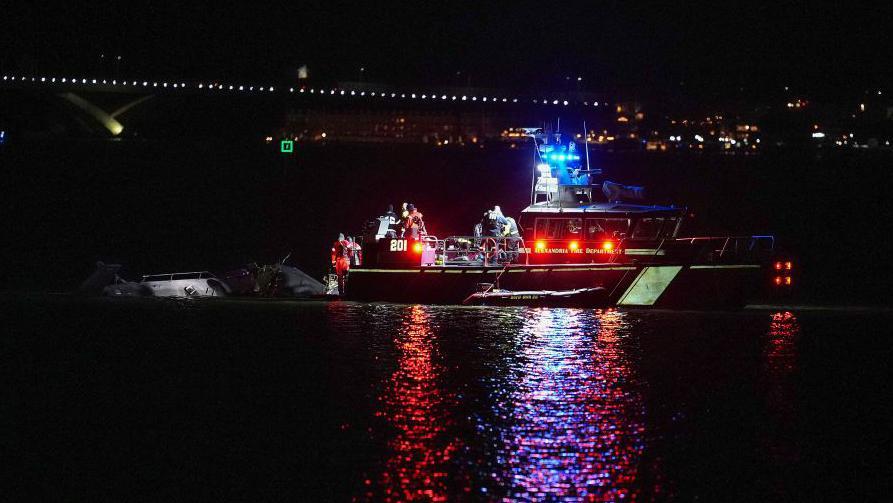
(286, 146)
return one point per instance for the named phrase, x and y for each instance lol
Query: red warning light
(787, 280)
(778, 266)
(788, 265)
(540, 245)
(778, 280)
(418, 247)
(607, 246)
(573, 245)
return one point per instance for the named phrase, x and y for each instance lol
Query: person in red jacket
(341, 260)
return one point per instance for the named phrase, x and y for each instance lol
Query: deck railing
(488, 251)
(726, 248)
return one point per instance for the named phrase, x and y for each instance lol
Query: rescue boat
(588, 243)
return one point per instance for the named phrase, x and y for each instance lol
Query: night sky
(674, 48)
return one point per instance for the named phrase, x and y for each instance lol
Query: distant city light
(818, 134)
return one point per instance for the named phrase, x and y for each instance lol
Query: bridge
(348, 111)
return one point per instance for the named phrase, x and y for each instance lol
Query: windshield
(558, 228)
(606, 228)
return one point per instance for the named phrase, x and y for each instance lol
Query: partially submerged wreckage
(277, 280)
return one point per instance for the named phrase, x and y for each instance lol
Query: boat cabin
(594, 232)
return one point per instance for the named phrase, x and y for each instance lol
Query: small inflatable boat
(582, 297)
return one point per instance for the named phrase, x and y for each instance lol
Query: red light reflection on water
(416, 407)
(575, 427)
(780, 367)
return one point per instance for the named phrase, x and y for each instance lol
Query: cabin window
(670, 227)
(648, 228)
(606, 228)
(559, 228)
(655, 228)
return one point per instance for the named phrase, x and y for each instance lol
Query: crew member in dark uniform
(493, 224)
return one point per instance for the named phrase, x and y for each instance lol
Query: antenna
(586, 143)
(533, 175)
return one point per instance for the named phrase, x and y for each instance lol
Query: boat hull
(641, 285)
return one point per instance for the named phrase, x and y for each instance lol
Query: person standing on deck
(341, 261)
(414, 223)
(493, 224)
(354, 252)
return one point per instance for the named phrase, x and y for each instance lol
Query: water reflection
(780, 367)
(573, 416)
(415, 405)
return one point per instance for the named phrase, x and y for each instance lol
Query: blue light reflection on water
(573, 426)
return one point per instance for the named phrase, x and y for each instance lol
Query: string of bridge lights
(429, 96)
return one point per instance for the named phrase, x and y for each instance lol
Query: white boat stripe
(649, 285)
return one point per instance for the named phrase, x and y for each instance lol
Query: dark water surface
(169, 400)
